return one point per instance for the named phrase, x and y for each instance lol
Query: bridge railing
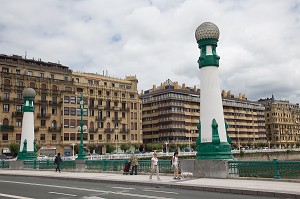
(265, 169)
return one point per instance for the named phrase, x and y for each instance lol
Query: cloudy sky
(154, 39)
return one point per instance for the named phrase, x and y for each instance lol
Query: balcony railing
(17, 114)
(6, 128)
(107, 130)
(116, 119)
(44, 115)
(93, 130)
(100, 118)
(54, 129)
(124, 130)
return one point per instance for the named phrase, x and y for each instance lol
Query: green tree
(76, 149)
(110, 148)
(125, 147)
(14, 149)
(194, 146)
(172, 147)
(157, 147)
(136, 146)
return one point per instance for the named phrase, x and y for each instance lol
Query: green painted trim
(29, 108)
(208, 60)
(214, 149)
(27, 155)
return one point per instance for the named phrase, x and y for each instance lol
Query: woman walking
(175, 164)
(154, 166)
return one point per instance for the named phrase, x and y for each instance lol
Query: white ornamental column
(213, 139)
(27, 146)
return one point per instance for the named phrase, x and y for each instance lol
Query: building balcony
(19, 100)
(93, 130)
(100, 118)
(44, 115)
(125, 109)
(43, 102)
(124, 130)
(108, 130)
(17, 114)
(44, 91)
(6, 128)
(55, 92)
(54, 129)
(116, 119)
(115, 108)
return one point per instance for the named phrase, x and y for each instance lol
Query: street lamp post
(239, 140)
(81, 128)
(166, 147)
(73, 144)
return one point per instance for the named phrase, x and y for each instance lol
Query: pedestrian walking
(134, 163)
(57, 161)
(154, 166)
(175, 165)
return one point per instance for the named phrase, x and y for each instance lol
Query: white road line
(153, 190)
(84, 189)
(122, 188)
(65, 194)
(13, 196)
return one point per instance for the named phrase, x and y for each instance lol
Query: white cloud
(258, 45)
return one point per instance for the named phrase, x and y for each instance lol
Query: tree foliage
(14, 149)
(125, 147)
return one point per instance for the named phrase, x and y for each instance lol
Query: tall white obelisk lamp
(213, 142)
(27, 146)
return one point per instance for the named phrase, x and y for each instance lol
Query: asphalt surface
(22, 187)
(240, 186)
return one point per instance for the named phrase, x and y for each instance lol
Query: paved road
(21, 187)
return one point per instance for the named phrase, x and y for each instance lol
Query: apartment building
(112, 107)
(245, 119)
(282, 122)
(171, 113)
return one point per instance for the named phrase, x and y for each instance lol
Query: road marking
(65, 194)
(13, 196)
(121, 188)
(153, 190)
(84, 189)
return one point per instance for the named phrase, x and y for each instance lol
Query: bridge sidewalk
(263, 187)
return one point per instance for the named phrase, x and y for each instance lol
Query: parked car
(42, 157)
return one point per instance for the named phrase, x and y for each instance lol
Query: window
(43, 97)
(54, 98)
(18, 136)
(107, 93)
(91, 136)
(66, 123)
(20, 83)
(54, 111)
(4, 136)
(73, 137)
(42, 75)
(100, 137)
(19, 96)
(5, 70)
(108, 137)
(18, 72)
(91, 112)
(72, 123)
(90, 81)
(123, 95)
(123, 137)
(6, 95)
(100, 125)
(123, 114)
(107, 113)
(19, 122)
(66, 136)
(72, 111)
(115, 94)
(115, 103)
(42, 137)
(29, 73)
(5, 107)
(96, 82)
(66, 111)
(73, 100)
(43, 122)
(100, 102)
(99, 93)
(52, 76)
(132, 96)
(66, 99)
(53, 137)
(66, 78)
(113, 85)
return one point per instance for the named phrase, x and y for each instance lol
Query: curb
(176, 186)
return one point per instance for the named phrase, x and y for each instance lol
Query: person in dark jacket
(57, 161)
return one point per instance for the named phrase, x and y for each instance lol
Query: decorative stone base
(213, 151)
(16, 165)
(80, 165)
(29, 155)
(206, 168)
